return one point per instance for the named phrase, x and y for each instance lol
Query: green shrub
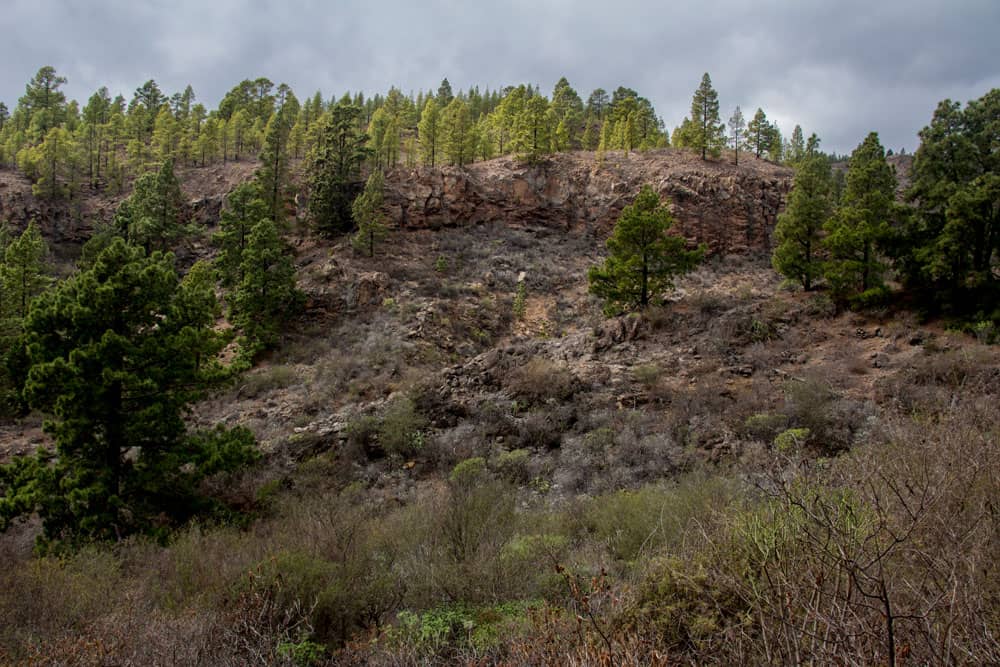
(875, 297)
(513, 465)
(400, 432)
(791, 439)
(630, 523)
(765, 426)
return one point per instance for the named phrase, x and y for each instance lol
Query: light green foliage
(633, 523)
(737, 133)
(458, 137)
(166, 135)
(862, 222)
(429, 132)
(273, 174)
(43, 104)
(797, 146)
(49, 164)
(520, 304)
(791, 439)
(266, 296)
(367, 213)
(642, 258)
(116, 353)
(334, 167)
(532, 135)
(23, 274)
(796, 254)
(400, 431)
(513, 465)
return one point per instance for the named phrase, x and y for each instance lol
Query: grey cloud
(839, 69)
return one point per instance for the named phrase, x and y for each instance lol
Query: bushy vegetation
(726, 502)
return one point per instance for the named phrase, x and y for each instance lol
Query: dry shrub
(933, 380)
(268, 379)
(833, 420)
(544, 429)
(541, 380)
(50, 597)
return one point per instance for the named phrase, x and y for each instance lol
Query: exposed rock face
(732, 209)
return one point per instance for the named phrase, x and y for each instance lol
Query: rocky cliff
(731, 208)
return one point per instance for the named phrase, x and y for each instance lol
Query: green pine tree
(273, 174)
(267, 295)
(333, 167)
(949, 250)
(429, 132)
(708, 134)
(796, 255)
(244, 209)
(23, 274)
(861, 222)
(642, 258)
(152, 216)
(367, 214)
(117, 353)
(758, 133)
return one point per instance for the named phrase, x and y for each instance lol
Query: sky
(840, 69)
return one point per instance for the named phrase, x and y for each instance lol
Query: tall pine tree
(708, 134)
(861, 222)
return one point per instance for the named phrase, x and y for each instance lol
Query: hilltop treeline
(63, 145)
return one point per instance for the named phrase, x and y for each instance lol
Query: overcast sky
(838, 68)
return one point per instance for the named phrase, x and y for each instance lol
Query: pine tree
(244, 209)
(949, 250)
(797, 146)
(23, 274)
(117, 353)
(758, 133)
(796, 255)
(642, 257)
(334, 168)
(43, 103)
(708, 134)
(737, 130)
(47, 164)
(456, 131)
(532, 135)
(367, 214)
(151, 217)
(861, 222)
(273, 173)
(429, 132)
(267, 295)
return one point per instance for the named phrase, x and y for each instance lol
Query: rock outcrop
(731, 208)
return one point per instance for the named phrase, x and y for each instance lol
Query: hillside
(470, 482)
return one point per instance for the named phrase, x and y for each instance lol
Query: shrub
(791, 439)
(541, 380)
(647, 374)
(400, 431)
(513, 466)
(652, 518)
(765, 426)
